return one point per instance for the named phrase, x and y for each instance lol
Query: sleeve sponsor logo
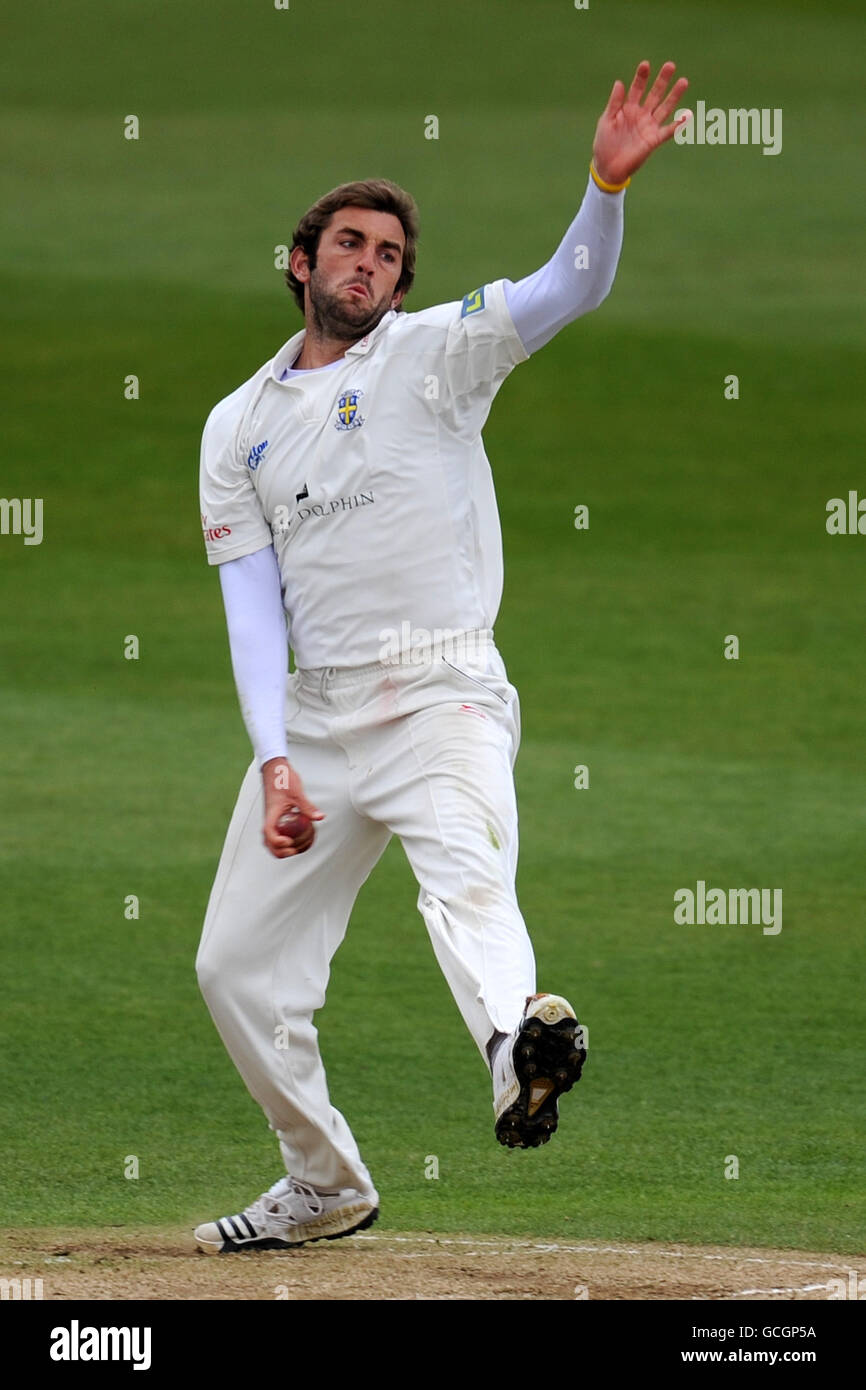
(213, 533)
(473, 303)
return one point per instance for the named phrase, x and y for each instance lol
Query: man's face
(358, 264)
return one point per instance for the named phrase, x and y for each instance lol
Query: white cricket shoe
(286, 1216)
(533, 1067)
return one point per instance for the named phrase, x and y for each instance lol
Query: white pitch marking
(491, 1247)
(803, 1288)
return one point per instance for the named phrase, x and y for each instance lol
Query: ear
(397, 299)
(300, 264)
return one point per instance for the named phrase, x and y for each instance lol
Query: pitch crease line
(551, 1248)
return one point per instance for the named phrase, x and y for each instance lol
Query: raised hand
(628, 131)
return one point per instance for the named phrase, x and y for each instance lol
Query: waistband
(425, 649)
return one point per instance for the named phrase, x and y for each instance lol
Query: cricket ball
(298, 827)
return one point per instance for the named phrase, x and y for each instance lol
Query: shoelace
(279, 1203)
(314, 1202)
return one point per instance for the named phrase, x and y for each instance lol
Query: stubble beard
(336, 317)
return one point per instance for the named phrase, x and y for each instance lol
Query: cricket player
(347, 499)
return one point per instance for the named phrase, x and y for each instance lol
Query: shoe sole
(548, 1059)
(232, 1247)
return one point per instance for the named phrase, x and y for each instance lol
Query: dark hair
(379, 194)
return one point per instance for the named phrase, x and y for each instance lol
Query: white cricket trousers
(424, 751)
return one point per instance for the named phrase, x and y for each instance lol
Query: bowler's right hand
(283, 792)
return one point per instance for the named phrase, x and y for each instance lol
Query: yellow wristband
(607, 187)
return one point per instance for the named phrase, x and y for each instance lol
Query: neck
(319, 350)
(321, 347)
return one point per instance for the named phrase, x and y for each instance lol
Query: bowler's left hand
(628, 131)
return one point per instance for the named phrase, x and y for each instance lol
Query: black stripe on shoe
(249, 1225)
(274, 1243)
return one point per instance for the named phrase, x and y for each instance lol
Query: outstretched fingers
(635, 123)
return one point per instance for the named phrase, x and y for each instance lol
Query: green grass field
(155, 258)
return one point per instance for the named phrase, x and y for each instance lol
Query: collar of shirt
(290, 350)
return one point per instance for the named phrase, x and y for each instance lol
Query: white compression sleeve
(258, 640)
(559, 292)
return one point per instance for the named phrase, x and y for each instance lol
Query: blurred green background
(156, 257)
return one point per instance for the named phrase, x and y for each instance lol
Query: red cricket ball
(298, 827)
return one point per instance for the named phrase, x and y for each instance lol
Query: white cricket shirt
(370, 480)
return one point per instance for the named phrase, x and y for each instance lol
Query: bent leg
(444, 783)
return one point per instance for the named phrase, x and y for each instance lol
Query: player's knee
(213, 971)
(479, 899)
(205, 974)
(223, 957)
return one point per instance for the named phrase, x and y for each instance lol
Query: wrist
(606, 185)
(270, 758)
(276, 773)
